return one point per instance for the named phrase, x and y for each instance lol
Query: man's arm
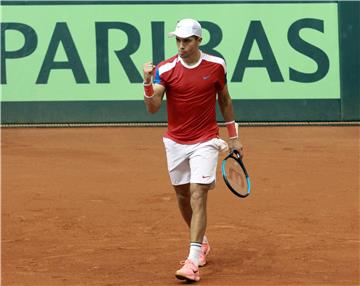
(226, 108)
(153, 93)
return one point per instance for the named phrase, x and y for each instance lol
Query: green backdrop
(75, 62)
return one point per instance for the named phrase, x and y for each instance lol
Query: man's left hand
(235, 143)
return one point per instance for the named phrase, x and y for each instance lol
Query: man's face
(187, 46)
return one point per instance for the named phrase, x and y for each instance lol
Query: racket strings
(235, 176)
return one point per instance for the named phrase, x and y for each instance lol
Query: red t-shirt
(191, 97)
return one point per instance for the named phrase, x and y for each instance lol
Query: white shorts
(192, 163)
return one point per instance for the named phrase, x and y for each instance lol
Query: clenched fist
(148, 71)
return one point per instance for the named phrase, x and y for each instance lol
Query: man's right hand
(148, 71)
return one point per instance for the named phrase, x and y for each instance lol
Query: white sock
(194, 254)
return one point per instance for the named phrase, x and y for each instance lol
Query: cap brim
(180, 35)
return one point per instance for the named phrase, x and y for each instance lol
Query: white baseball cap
(186, 28)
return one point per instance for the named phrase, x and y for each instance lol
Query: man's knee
(202, 188)
(182, 191)
(199, 191)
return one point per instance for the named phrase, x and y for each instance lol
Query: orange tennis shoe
(205, 249)
(189, 271)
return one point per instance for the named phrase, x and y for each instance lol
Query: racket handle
(236, 152)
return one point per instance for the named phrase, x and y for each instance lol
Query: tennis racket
(235, 175)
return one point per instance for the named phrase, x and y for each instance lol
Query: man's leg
(198, 203)
(203, 162)
(183, 197)
(192, 202)
(198, 218)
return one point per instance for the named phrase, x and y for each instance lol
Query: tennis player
(192, 81)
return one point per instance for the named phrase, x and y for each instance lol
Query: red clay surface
(94, 206)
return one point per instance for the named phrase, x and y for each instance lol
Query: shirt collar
(191, 66)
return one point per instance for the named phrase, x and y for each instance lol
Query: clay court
(94, 206)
